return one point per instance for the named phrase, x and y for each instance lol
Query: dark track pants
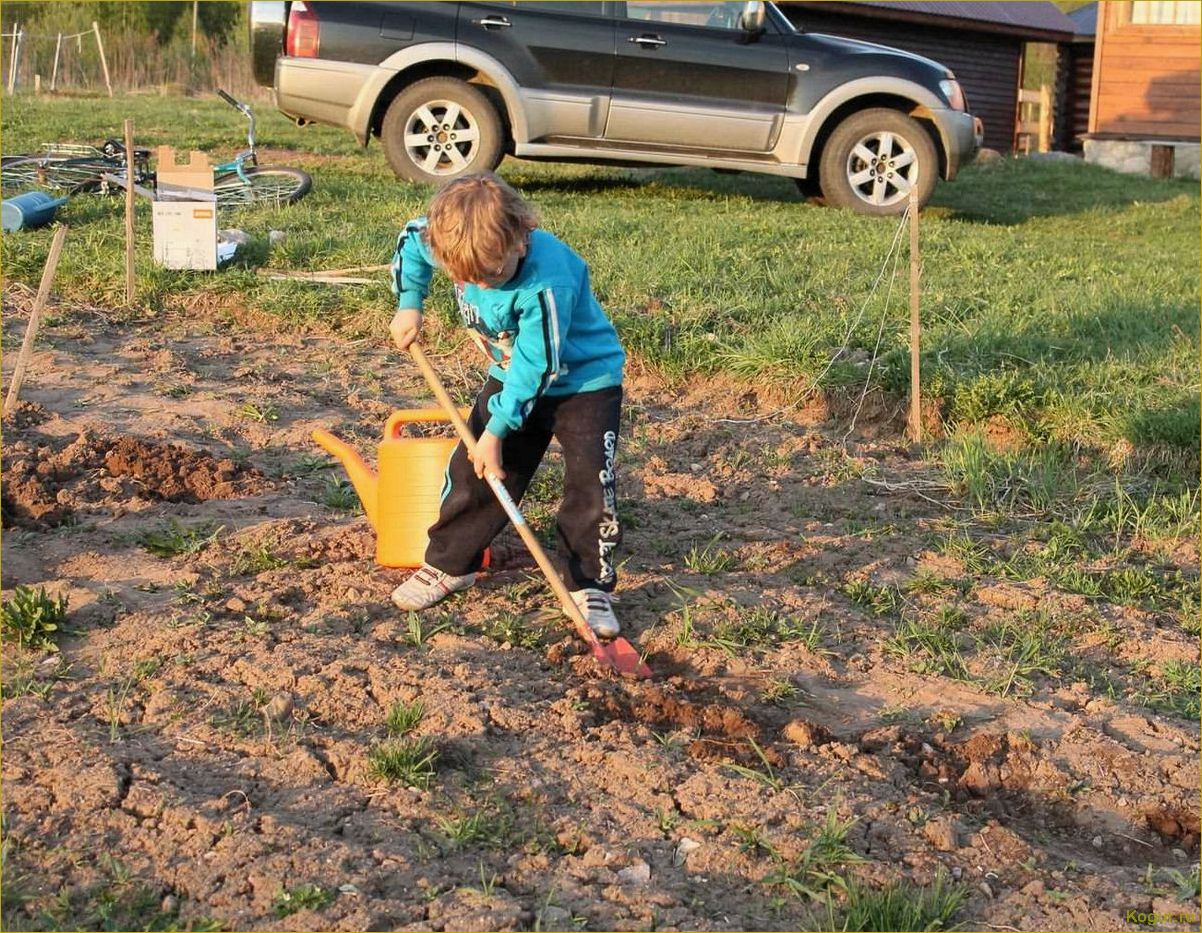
(586, 426)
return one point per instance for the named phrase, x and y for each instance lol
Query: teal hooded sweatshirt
(543, 329)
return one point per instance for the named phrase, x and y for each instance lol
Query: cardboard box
(185, 212)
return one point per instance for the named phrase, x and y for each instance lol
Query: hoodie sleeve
(543, 319)
(413, 266)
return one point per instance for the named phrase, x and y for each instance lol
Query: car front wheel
(873, 160)
(439, 129)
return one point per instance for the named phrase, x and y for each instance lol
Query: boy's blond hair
(474, 224)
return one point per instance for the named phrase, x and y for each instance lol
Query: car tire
(439, 129)
(873, 158)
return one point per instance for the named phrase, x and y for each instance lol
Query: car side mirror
(751, 20)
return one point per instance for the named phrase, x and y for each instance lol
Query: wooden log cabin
(1145, 105)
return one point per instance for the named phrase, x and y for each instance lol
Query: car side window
(723, 15)
(579, 7)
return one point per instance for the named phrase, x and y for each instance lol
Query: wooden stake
(1045, 118)
(13, 55)
(129, 212)
(58, 46)
(31, 329)
(103, 61)
(915, 396)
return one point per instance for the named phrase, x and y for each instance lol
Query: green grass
(900, 907)
(117, 900)
(32, 619)
(931, 644)
(1017, 650)
(709, 558)
(1175, 688)
(403, 717)
(762, 626)
(1063, 296)
(409, 762)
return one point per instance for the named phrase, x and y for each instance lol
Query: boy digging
(556, 372)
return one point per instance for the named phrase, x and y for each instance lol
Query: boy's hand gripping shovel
(618, 654)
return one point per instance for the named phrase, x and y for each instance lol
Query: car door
(560, 52)
(687, 75)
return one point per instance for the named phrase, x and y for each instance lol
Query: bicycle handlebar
(245, 110)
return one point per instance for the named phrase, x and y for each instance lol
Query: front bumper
(962, 135)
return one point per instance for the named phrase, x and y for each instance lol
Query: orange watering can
(402, 501)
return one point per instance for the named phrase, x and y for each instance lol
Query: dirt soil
(198, 752)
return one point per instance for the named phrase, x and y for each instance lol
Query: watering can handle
(395, 425)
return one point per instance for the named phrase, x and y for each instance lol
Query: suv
(450, 88)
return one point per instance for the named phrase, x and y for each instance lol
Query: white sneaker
(598, 612)
(427, 586)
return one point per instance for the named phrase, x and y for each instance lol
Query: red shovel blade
(621, 656)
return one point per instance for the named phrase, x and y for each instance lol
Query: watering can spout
(363, 478)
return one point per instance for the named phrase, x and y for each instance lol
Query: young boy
(556, 372)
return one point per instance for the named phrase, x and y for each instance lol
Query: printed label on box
(185, 234)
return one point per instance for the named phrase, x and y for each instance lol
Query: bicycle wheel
(268, 184)
(68, 175)
(20, 172)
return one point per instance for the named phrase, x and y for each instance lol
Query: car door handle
(647, 41)
(493, 22)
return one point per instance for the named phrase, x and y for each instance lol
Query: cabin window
(1165, 13)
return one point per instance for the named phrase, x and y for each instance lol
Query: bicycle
(74, 169)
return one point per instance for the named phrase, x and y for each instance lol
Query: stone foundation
(1134, 156)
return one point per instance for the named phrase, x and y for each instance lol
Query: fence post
(103, 61)
(58, 44)
(1045, 118)
(129, 212)
(12, 65)
(915, 333)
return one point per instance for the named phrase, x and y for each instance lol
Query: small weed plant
(257, 557)
(304, 897)
(417, 633)
(260, 412)
(32, 619)
(490, 827)
(176, 540)
(338, 493)
(513, 629)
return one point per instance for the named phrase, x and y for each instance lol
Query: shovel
(618, 654)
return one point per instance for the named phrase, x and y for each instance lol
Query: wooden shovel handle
(519, 522)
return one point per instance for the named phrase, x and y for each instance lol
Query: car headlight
(954, 93)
